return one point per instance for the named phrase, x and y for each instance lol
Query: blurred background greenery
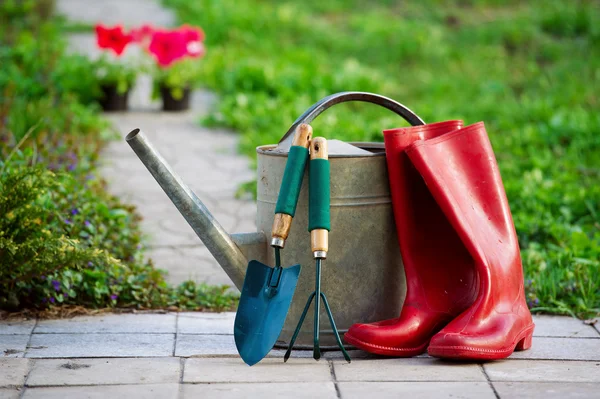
(64, 239)
(529, 69)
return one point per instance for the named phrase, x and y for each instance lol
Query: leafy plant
(177, 78)
(114, 73)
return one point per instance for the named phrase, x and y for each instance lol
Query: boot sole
(385, 350)
(522, 342)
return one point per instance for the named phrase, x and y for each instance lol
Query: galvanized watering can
(364, 279)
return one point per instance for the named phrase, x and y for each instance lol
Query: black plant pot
(173, 104)
(112, 100)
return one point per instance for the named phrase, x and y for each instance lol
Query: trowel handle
(290, 185)
(319, 196)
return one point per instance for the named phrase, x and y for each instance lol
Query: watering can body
(363, 277)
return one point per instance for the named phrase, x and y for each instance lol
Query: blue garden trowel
(268, 291)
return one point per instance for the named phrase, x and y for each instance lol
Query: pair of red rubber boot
(465, 297)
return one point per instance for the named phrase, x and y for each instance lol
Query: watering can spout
(220, 244)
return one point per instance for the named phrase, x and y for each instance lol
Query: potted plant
(173, 84)
(176, 53)
(115, 78)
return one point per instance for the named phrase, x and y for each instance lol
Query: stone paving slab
(202, 345)
(409, 369)
(13, 345)
(209, 370)
(326, 355)
(110, 323)
(205, 323)
(552, 390)
(569, 327)
(324, 390)
(10, 393)
(17, 327)
(113, 371)
(416, 390)
(561, 349)
(13, 372)
(543, 371)
(152, 391)
(100, 345)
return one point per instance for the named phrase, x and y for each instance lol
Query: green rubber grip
(292, 180)
(319, 195)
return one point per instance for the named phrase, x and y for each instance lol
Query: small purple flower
(72, 167)
(114, 297)
(139, 246)
(68, 221)
(90, 264)
(65, 295)
(52, 299)
(56, 285)
(89, 177)
(74, 211)
(43, 277)
(536, 302)
(87, 223)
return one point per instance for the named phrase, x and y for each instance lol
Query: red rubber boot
(461, 172)
(440, 274)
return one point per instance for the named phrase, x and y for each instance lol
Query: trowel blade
(262, 310)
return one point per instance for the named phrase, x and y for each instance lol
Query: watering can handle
(316, 109)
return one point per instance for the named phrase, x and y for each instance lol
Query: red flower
(168, 46)
(142, 34)
(192, 33)
(194, 37)
(112, 38)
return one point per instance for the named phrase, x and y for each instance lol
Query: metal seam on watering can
(340, 202)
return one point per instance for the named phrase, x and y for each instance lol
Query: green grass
(529, 69)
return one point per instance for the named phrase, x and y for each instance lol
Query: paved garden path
(206, 159)
(192, 355)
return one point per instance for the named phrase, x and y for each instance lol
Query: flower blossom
(114, 39)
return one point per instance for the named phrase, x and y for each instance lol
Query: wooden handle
(303, 135)
(318, 148)
(281, 227)
(291, 183)
(319, 242)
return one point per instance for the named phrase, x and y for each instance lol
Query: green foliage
(33, 243)
(181, 75)
(66, 241)
(112, 72)
(529, 71)
(190, 295)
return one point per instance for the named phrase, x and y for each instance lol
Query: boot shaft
(439, 270)
(461, 172)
